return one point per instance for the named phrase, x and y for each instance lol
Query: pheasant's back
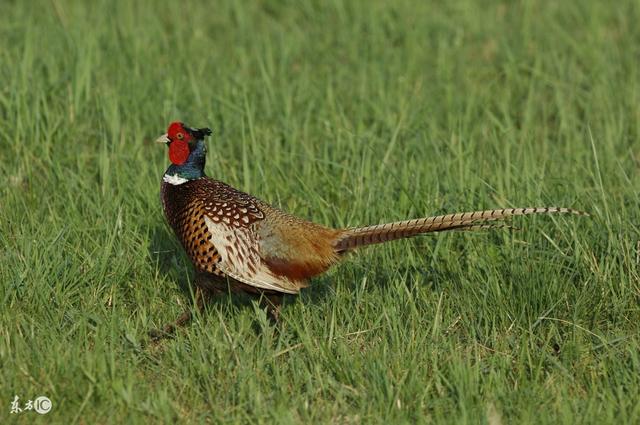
(288, 245)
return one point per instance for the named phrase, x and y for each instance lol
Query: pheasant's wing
(239, 250)
(257, 244)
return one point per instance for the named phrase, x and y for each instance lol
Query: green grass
(346, 113)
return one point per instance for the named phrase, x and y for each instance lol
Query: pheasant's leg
(202, 295)
(273, 303)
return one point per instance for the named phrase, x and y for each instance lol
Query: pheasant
(239, 243)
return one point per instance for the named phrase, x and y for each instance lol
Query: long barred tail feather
(356, 237)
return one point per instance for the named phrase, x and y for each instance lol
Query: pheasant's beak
(163, 139)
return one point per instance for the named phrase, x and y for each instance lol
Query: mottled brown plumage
(262, 247)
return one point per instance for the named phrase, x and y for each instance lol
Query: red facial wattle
(178, 151)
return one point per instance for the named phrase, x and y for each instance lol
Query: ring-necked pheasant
(241, 243)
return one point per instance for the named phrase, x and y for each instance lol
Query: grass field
(346, 113)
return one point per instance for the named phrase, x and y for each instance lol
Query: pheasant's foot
(169, 329)
(273, 305)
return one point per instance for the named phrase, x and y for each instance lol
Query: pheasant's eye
(180, 136)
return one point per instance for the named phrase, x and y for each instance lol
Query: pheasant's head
(187, 150)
